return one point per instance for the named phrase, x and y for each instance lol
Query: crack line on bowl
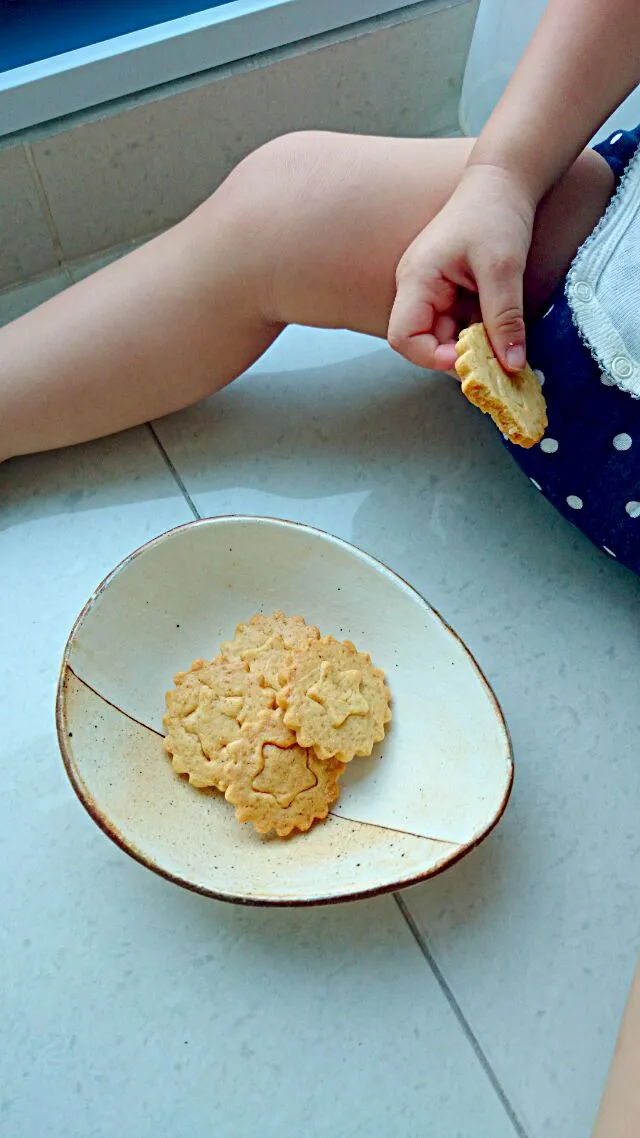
(110, 703)
(395, 830)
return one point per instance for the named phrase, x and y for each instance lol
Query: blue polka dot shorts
(588, 464)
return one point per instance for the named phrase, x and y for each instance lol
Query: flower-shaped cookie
(265, 644)
(204, 713)
(335, 700)
(275, 783)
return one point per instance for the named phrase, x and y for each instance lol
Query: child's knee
(243, 229)
(271, 179)
(272, 208)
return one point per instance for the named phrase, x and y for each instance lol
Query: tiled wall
(87, 186)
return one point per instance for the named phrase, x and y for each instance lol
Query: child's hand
(476, 246)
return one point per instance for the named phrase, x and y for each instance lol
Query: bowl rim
(109, 828)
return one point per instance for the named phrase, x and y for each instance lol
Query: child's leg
(308, 230)
(619, 1114)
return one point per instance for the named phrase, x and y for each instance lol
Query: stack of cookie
(272, 721)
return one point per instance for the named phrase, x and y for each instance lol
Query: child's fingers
(445, 357)
(500, 287)
(445, 329)
(421, 350)
(413, 325)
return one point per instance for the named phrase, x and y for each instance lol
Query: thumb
(499, 281)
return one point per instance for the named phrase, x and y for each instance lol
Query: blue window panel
(32, 30)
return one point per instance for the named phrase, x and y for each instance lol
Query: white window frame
(125, 65)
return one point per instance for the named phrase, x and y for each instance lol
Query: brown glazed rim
(111, 830)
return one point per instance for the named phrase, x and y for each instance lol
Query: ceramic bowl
(429, 793)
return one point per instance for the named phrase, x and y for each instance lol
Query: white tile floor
(483, 1004)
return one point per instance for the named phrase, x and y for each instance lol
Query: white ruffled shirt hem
(603, 286)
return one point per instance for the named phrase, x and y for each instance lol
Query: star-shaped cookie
(340, 710)
(204, 713)
(275, 783)
(339, 693)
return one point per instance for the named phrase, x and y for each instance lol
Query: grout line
(176, 476)
(39, 278)
(120, 249)
(44, 204)
(461, 1018)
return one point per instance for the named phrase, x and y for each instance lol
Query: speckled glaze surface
(430, 792)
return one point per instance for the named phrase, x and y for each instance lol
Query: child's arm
(583, 60)
(581, 63)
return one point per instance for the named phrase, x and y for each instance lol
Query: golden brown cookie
(335, 700)
(265, 644)
(514, 402)
(273, 782)
(205, 712)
